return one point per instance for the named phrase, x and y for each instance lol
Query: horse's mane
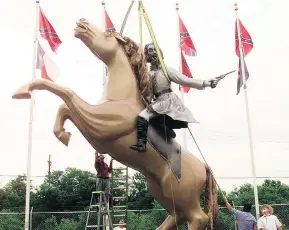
(137, 60)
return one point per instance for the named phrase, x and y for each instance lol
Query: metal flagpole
(27, 199)
(104, 68)
(104, 25)
(248, 115)
(180, 69)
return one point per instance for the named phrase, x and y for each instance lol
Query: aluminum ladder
(102, 210)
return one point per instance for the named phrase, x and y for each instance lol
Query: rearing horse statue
(174, 177)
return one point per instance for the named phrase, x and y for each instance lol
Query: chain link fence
(136, 219)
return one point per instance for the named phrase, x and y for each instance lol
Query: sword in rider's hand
(221, 77)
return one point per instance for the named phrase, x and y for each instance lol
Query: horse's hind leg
(198, 220)
(171, 223)
(174, 219)
(63, 114)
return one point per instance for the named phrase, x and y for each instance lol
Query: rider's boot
(142, 129)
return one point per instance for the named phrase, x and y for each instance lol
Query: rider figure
(166, 102)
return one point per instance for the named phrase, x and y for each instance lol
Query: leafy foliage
(71, 190)
(139, 197)
(11, 222)
(13, 194)
(68, 190)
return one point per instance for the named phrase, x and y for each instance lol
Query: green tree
(139, 196)
(62, 224)
(270, 192)
(13, 194)
(65, 190)
(2, 199)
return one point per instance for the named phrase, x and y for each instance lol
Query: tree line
(70, 190)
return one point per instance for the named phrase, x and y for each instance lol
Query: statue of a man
(165, 102)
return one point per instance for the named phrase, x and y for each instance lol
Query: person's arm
(182, 80)
(278, 224)
(110, 166)
(96, 165)
(230, 208)
(260, 224)
(254, 225)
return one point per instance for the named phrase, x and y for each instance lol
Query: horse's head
(102, 44)
(105, 45)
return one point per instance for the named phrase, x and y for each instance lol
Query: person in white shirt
(268, 221)
(121, 226)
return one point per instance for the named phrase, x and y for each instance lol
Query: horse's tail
(211, 199)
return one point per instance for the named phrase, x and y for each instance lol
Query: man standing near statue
(103, 171)
(268, 221)
(245, 220)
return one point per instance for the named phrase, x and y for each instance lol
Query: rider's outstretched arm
(182, 80)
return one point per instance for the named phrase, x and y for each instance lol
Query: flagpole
(28, 180)
(180, 69)
(104, 26)
(248, 115)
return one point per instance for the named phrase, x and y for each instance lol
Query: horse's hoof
(64, 137)
(22, 93)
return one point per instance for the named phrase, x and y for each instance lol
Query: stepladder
(99, 207)
(119, 195)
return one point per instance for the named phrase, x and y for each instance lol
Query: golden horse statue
(110, 127)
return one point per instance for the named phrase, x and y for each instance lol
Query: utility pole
(49, 166)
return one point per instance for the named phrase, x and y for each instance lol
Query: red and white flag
(246, 47)
(186, 71)
(240, 76)
(187, 47)
(246, 39)
(48, 39)
(109, 27)
(187, 44)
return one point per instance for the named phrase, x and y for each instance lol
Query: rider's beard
(154, 60)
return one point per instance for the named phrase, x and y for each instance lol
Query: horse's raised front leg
(63, 114)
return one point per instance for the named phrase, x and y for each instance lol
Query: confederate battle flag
(186, 71)
(246, 47)
(187, 45)
(49, 69)
(48, 32)
(109, 27)
(246, 39)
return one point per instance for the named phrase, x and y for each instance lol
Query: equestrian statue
(175, 177)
